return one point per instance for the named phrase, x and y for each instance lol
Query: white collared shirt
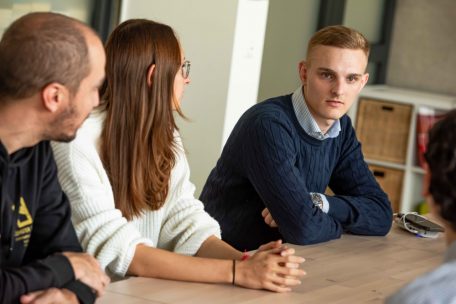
(307, 121)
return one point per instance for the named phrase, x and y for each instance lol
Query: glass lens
(186, 69)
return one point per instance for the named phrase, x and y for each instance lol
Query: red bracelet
(245, 256)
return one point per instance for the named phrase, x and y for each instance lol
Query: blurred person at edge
(438, 286)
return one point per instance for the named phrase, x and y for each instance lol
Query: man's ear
(54, 96)
(302, 69)
(150, 73)
(364, 79)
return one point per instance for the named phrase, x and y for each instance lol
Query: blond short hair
(339, 36)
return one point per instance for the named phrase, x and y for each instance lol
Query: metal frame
(105, 16)
(332, 12)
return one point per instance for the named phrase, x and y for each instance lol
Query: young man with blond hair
(284, 152)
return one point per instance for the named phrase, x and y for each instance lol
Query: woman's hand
(272, 267)
(272, 245)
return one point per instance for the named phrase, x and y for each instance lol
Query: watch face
(317, 200)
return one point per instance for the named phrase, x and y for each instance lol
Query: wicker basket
(390, 181)
(383, 129)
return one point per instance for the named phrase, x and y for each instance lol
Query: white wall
(207, 30)
(246, 61)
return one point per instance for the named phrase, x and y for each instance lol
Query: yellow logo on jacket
(24, 223)
(23, 210)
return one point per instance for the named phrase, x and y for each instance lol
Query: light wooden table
(353, 269)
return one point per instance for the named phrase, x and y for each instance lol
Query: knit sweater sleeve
(359, 204)
(186, 225)
(101, 228)
(269, 159)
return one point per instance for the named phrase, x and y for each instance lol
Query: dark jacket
(35, 226)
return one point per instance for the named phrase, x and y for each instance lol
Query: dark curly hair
(441, 158)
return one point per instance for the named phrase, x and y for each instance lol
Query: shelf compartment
(383, 129)
(390, 181)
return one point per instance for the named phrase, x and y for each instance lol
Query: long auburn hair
(137, 140)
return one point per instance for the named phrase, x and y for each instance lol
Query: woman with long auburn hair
(127, 177)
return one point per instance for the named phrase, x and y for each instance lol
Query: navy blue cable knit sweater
(270, 161)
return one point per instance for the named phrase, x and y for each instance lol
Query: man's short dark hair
(441, 158)
(41, 48)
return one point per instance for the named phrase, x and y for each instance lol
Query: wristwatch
(317, 200)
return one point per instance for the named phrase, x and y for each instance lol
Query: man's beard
(57, 128)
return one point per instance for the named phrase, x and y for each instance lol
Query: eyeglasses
(186, 69)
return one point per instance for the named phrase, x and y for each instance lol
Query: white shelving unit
(411, 192)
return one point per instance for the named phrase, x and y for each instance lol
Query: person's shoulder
(93, 124)
(347, 133)
(90, 130)
(274, 108)
(346, 123)
(179, 148)
(436, 286)
(275, 104)
(444, 277)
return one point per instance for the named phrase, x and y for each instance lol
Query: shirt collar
(307, 121)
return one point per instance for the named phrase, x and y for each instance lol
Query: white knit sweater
(181, 225)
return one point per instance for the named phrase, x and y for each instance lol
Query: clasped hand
(273, 266)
